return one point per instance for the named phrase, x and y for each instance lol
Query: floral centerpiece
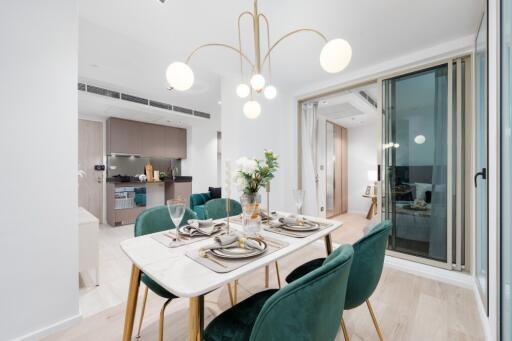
(251, 175)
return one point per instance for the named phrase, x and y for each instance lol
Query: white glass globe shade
(270, 92)
(252, 110)
(335, 55)
(243, 90)
(180, 76)
(420, 139)
(258, 82)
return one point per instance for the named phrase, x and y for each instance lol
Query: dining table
(179, 274)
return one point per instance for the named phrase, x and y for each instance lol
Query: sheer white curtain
(309, 129)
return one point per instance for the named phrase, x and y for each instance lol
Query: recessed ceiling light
(219, 102)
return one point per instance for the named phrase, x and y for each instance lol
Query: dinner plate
(183, 230)
(301, 228)
(240, 253)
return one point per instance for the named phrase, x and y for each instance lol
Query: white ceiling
(129, 43)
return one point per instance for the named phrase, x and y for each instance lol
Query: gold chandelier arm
(261, 15)
(219, 45)
(240, 40)
(290, 34)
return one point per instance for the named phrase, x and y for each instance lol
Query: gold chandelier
(334, 57)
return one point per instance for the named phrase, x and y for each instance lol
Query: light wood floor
(408, 307)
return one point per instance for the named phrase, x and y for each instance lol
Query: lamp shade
(252, 110)
(270, 92)
(180, 76)
(420, 139)
(243, 90)
(335, 55)
(258, 82)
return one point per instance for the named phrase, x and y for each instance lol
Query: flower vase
(251, 208)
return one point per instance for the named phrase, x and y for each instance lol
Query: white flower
(246, 165)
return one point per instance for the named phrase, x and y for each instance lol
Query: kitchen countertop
(135, 181)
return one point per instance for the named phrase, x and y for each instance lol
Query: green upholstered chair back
(199, 199)
(366, 270)
(309, 308)
(157, 219)
(216, 208)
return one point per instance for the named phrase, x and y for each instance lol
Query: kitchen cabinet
(145, 139)
(123, 137)
(175, 190)
(153, 141)
(176, 142)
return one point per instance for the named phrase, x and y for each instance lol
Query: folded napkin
(295, 220)
(202, 227)
(229, 241)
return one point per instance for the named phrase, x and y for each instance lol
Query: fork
(206, 255)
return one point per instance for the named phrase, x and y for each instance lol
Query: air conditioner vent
(201, 114)
(101, 91)
(183, 110)
(368, 98)
(134, 99)
(139, 100)
(160, 105)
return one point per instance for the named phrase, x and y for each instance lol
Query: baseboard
(446, 276)
(482, 313)
(52, 329)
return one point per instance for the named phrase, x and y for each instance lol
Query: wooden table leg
(196, 319)
(328, 244)
(131, 305)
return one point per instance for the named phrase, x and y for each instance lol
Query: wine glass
(176, 209)
(298, 194)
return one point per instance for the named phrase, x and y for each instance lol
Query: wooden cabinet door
(176, 142)
(123, 137)
(153, 140)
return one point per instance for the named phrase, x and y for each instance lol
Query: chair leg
(344, 329)
(142, 311)
(267, 270)
(374, 319)
(235, 292)
(231, 299)
(162, 315)
(278, 276)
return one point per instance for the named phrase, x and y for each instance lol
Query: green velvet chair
(154, 220)
(197, 202)
(365, 274)
(216, 208)
(308, 309)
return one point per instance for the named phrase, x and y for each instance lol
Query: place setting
(194, 231)
(229, 251)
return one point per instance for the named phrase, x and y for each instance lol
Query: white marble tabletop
(184, 277)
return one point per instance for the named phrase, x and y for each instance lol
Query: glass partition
(506, 170)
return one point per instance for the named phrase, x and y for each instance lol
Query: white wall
(275, 129)
(201, 162)
(362, 157)
(38, 144)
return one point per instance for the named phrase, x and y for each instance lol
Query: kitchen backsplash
(130, 165)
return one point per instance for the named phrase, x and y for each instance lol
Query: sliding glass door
(423, 120)
(506, 170)
(480, 177)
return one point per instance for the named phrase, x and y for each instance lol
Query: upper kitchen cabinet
(176, 142)
(153, 141)
(145, 139)
(123, 137)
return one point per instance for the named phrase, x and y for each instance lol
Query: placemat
(166, 238)
(295, 234)
(222, 265)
